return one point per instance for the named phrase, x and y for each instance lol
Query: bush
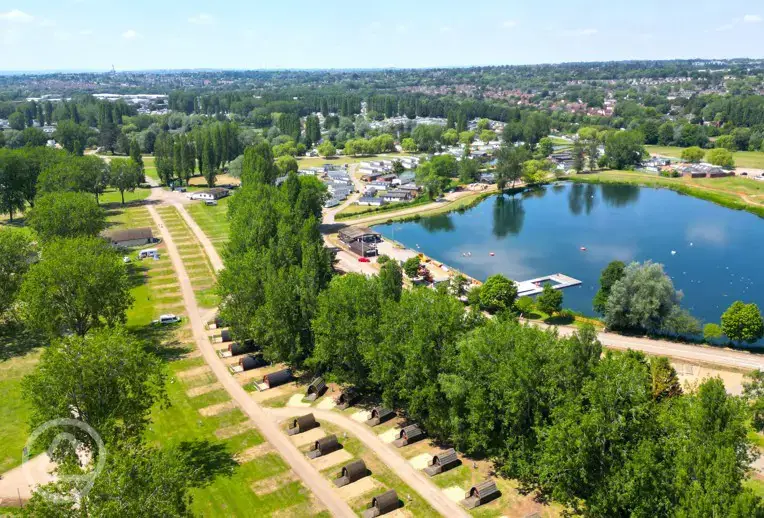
(382, 259)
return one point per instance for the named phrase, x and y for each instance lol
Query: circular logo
(82, 483)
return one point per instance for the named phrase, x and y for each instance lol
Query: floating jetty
(558, 281)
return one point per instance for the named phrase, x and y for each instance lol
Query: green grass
(112, 196)
(14, 411)
(745, 159)
(690, 187)
(304, 163)
(213, 220)
(756, 485)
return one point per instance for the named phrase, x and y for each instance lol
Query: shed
(352, 472)
(379, 415)
(274, 379)
(252, 361)
(442, 462)
(315, 389)
(408, 435)
(382, 504)
(302, 424)
(130, 237)
(243, 347)
(216, 323)
(480, 494)
(346, 398)
(225, 335)
(324, 446)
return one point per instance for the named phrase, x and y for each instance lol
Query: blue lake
(719, 253)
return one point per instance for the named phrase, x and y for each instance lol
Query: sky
(38, 35)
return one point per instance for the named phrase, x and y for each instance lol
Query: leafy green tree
(326, 149)
(432, 183)
(66, 214)
(726, 142)
(135, 153)
(345, 327)
(665, 382)
(107, 379)
(466, 137)
(13, 169)
(487, 135)
(498, 294)
(550, 300)
(137, 480)
(286, 165)
(693, 154)
(469, 170)
(721, 157)
(642, 299)
(85, 173)
(408, 145)
(545, 147)
(449, 137)
(742, 322)
(509, 168)
(126, 175)
(578, 157)
(612, 273)
(16, 249)
(536, 171)
(411, 267)
(209, 163)
(712, 332)
(258, 164)
(79, 284)
(624, 149)
(72, 136)
(391, 281)
(16, 121)
(524, 305)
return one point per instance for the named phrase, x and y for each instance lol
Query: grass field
(732, 192)
(745, 159)
(14, 411)
(213, 221)
(304, 163)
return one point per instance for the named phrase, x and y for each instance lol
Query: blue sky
(171, 34)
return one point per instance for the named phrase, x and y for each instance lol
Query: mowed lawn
(14, 411)
(745, 159)
(213, 221)
(304, 163)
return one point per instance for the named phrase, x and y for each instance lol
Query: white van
(167, 319)
(149, 252)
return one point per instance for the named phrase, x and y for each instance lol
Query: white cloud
(401, 28)
(509, 24)
(85, 32)
(202, 19)
(725, 27)
(16, 16)
(47, 23)
(752, 18)
(582, 32)
(445, 29)
(130, 34)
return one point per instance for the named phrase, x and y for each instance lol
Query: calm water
(719, 252)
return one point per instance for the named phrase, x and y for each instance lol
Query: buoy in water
(491, 254)
(673, 252)
(583, 249)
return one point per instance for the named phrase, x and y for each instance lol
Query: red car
(363, 260)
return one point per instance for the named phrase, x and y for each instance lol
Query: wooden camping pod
(315, 389)
(324, 446)
(243, 347)
(382, 504)
(302, 424)
(442, 462)
(480, 494)
(274, 379)
(408, 435)
(379, 415)
(252, 361)
(346, 398)
(351, 472)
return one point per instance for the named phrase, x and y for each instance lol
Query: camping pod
(352, 472)
(382, 504)
(252, 361)
(302, 424)
(480, 494)
(379, 415)
(315, 389)
(243, 347)
(274, 379)
(408, 435)
(324, 446)
(225, 335)
(346, 398)
(442, 462)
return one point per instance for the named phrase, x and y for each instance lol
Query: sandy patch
(269, 485)
(356, 489)
(198, 391)
(692, 374)
(253, 453)
(361, 416)
(220, 408)
(14, 482)
(196, 371)
(334, 458)
(327, 403)
(420, 461)
(256, 374)
(230, 360)
(399, 513)
(231, 431)
(309, 437)
(271, 393)
(297, 402)
(390, 435)
(454, 493)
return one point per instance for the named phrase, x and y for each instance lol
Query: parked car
(126, 259)
(363, 260)
(210, 203)
(180, 189)
(167, 319)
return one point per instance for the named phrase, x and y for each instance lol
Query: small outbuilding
(130, 237)
(252, 361)
(243, 347)
(480, 494)
(274, 379)
(216, 323)
(379, 415)
(324, 446)
(346, 398)
(409, 435)
(224, 336)
(352, 472)
(302, 424)
(385, 503)
(442, 462)
(316, 388)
